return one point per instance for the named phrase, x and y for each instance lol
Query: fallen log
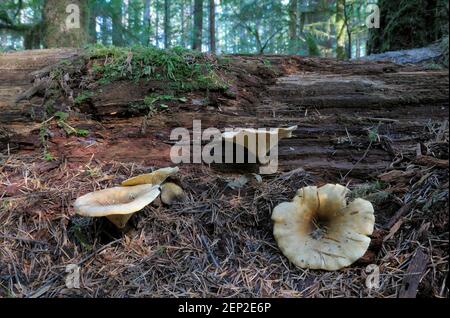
(334, 104)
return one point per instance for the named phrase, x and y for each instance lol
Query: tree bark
(57, 33)
(166, 24)
(212, 26)
(198, 25)
(293, 14)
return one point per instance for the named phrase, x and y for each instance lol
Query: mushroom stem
(120, 221)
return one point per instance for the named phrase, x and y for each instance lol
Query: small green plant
(61, 118)
(267, 63)
(373, 135)
(151, 103)
(313, 48)
(82, 132)
(82, 97)
(78, 232)
(43, 134)
(48, 156)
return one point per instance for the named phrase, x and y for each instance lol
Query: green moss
(182, 69)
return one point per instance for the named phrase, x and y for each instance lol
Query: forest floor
(380, 128)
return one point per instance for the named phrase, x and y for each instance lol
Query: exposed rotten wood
(413, 275)
(334, 104)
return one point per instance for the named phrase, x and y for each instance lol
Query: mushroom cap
(156, 178)
(171, 193)
(243, 137)
(116, 201)
(280, 132)
(343, 238)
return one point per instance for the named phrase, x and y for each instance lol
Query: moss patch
(182, 69)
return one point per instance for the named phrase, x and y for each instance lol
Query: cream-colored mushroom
(171, 193)
(117, 204)
(250, 138)
(319, 230)
(156, 178)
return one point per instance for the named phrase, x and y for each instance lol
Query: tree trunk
(212, 26)
(60, 27)
(198, 25)
(157, 23)
(293, 13)
(358, 48)
(147, 22)
(117, 26)
(93, 23)
(350, 39)
(104, 31)
(302, 23)
(340, 29)
(183, 23)
(166, 24)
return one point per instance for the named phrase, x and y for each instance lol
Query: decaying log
(335, 105)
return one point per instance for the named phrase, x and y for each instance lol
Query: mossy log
(335, 105)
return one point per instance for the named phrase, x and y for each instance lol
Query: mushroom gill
(319, 230)
(117, 204)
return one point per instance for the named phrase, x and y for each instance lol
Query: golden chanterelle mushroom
(156, 178)
(319, 230)
(117, 204)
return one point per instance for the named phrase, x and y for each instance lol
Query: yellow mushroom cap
(171, 193)
(281, 132)
(157, 177)
(117, 204)
(319, 230)
(254, 134)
